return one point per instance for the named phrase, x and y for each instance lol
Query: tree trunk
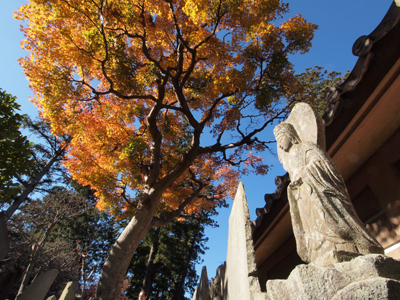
(150, 267)
(179, 287)
(83, 278)
(117, 263)
(5, 216)
(4, 239)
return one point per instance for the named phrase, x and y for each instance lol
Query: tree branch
(163, 221)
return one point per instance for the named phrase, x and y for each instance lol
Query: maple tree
(163, 99)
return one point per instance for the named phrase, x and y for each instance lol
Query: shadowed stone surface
(365, 277)
(217, 284)
(376, 288)
(69, 291)
(38, 289)
(203, 291)
(325, 225)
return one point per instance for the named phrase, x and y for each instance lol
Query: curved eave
(370, 110)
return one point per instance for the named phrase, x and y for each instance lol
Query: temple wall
(375, 193)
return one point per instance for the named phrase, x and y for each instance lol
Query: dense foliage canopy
(15, 154)
(312, 85)
(122, 77)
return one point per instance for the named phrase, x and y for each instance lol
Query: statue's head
(286, 136)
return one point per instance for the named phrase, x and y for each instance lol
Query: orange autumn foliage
(138, 83)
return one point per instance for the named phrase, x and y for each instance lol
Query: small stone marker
(69, 291)
(38, 289)
(217, 284)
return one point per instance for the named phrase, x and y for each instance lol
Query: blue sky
(340, 24)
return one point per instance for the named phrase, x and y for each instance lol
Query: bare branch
(163, 221)
(247, 139)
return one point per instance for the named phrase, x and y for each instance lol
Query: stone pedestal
(365, 277)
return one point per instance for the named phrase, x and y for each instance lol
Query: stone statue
(325, 225)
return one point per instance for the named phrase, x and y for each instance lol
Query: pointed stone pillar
(203, 290)
(241, 281)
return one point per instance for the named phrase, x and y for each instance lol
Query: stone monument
(203, 291)
(217, 284)
(344, 260)
(325, 225)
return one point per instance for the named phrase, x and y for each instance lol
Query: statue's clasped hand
(294, 185)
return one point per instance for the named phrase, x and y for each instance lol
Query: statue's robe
(326, 227)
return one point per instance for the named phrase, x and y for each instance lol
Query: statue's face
(284, 142)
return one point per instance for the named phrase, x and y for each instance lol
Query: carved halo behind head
(308, 124)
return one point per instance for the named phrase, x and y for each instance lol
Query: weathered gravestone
(329, 235)
(69, 291)
(38, 289)
(237, 279)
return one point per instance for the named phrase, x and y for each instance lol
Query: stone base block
(365, 277)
